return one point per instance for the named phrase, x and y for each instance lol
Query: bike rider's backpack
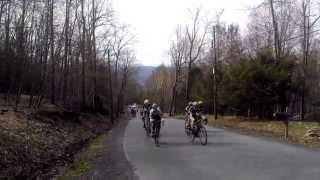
(156, 115)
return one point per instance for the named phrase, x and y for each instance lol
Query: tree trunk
(188, 85)
(66, 52)
(173, 99)
(110, 88)
(120, 95)
(53, 63)
(94, 52)
(277, 47)
(215, 74)
(83, 56)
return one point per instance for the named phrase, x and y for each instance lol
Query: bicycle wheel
(203, 135)
(156, 135)
(188, 131)
(148, 129)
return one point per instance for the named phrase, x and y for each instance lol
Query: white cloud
(155, 20)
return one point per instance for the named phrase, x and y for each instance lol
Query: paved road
(228, 156)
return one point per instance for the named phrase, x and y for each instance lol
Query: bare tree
(126, 63)
(83, 55)
(110, 86)
(53, 62)
(195, 43)
(177, 55)
(277, 43)
(66, 51)
(122, 38)
(307, 28)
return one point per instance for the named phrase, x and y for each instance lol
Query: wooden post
(286, 129)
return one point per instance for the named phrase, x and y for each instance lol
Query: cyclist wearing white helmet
(188, 107)
(146, 109)
(155, 117)
(200, 106)
(200, 112)
(193, 113)
(187, 114)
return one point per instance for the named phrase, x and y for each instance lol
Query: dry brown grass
(270, 128)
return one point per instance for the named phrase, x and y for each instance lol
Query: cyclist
(141, 111)
(200, 112)
(155, 117)
(187, 112)
(146, 109)
(193, 113)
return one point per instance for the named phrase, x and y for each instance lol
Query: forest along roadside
(104, 158)
(36, 144)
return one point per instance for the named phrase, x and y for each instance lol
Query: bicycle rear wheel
(188, 131)
(148, 128)
(157, 134)
(203, 135)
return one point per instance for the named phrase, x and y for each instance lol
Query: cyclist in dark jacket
(187, 114)
(193, 113)
(146, 110)
(155, 117)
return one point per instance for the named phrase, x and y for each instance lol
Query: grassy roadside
(84, 162)
(266, 128)
(179, 116)
(269, 128)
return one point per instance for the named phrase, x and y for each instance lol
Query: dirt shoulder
(103, 159)
(34, 145)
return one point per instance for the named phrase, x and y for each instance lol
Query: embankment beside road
(35, 144)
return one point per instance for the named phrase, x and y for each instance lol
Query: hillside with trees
(272, 66)
(65, 70)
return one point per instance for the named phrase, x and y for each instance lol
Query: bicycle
(147, 124)
(187, 128)
(156, 134)
(198, 130)
(133, 113)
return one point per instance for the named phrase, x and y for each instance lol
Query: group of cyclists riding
(194, 113)
(151, 117)
(194, 121)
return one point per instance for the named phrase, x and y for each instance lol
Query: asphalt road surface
(228, 156)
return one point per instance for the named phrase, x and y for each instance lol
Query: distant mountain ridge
(143, 73)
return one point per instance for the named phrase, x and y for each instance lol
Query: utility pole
(215, 74)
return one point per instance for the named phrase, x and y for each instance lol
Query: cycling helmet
(146, 101)
(154, 105)
(200, 102)
(194, 103)
(190, 103)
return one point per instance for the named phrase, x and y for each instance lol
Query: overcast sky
(154, 21)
